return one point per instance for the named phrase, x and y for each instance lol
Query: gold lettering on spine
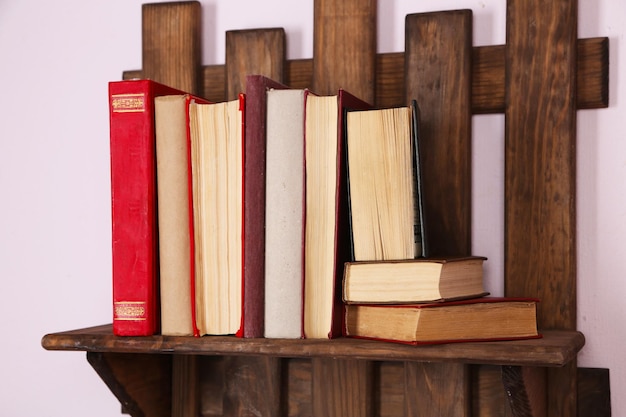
(130, 310)
(128, 103)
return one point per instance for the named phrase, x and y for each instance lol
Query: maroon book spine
(254, 206)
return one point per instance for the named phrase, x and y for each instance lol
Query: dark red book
(254, 208)
(327, 224)
(473, 320)
(133, 206)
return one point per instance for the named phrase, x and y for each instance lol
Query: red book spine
(133, 206)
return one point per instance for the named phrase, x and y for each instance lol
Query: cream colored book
(284, 213)
(413, 281)
(217, 139)
(172, 166)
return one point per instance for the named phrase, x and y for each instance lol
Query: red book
(133, 206)
(254, 209)
(327, 224)
(478, 319)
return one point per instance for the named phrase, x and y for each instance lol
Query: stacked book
(393, 289)
(431, 300)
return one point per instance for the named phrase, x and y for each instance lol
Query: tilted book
(478, 319)
(387, 216)
(133, 206)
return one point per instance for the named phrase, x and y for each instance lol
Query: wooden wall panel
(254, 51)
(344, 47)
(540, 173)
(438, 67)
(171, 44)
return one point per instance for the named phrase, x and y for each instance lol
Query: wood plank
(141, 382)
(344, 54)
(592, 76)
(541, 134)
(594, 392)
(298, 401)
(253, 51)
(555, 348)
(171, 44)
(344, 47)
(444, 389)
(488, 397)
(438, 74)
(487, 77)
(540, 173)
(240, 386)
(341, 387)
(185, 386)
(526, 390)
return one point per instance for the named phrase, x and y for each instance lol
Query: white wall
(56, 60)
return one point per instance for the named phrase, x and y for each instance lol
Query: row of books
(281, 214)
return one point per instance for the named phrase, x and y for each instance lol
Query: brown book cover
(473, 320)
(254, 197)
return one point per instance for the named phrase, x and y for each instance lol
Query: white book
(284, 213)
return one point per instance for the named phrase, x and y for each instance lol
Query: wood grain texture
(488, 396)
(438, 75)
(341, 387)
(594, 392)
(171, 44)
(344, 47)
(540, 151)
(487, 77)
(556, 348)
(592, 75)
(239, 386)
(526, 390)
(185, 386)
(444, 389)
(141, 382)
(254, 51)
(540, 173)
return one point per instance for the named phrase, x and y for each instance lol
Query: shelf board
(555, 348)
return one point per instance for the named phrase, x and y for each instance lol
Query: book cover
(418, 280)
(174, 215)
(327, 230)
(257, 87)
(473, 320)
(217, 133)
(284, 213)
(133, 206)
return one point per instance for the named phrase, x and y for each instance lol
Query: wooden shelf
(538, 80)
(555, 348)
